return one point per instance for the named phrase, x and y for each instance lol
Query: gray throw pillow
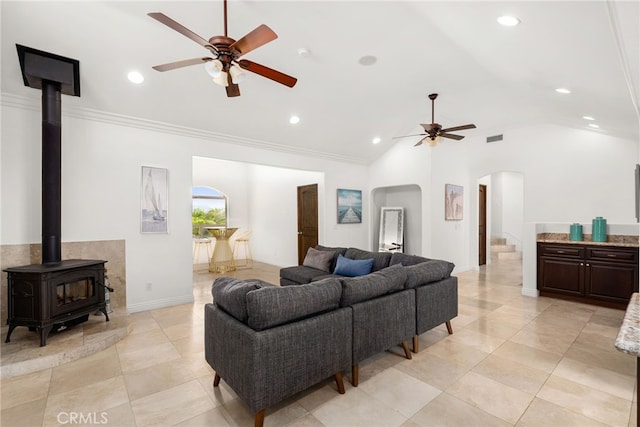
(320, 260)
(357, 289)
(427, 272)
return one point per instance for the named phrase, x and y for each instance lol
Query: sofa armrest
(436, 303)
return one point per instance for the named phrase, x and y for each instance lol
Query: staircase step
(503, 248)
(509, 255)
(498, 240)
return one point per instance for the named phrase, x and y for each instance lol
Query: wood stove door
(75, 290)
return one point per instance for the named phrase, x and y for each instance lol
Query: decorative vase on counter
(599, 229)
(575, 232)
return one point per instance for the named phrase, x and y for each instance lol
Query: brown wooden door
(307, 219)
(482, 225)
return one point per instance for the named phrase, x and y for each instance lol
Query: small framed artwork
(154, 200)
(453, 202)
(349, 206)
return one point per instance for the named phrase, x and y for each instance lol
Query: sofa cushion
(427, 272)
(272, 306)
(230, 294)
(318, 259)
(336, 251)
(357, 289)
(380, 259)
(406, 259)
(353, 267)
(301, 274)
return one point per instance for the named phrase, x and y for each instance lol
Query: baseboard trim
(152, 305)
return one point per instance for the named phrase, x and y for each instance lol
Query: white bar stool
(199, 242)
(242, 241)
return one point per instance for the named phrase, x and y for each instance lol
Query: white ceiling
(496, 77)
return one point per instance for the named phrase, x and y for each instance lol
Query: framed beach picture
(453, 202)
(154, 200)
(349, 206)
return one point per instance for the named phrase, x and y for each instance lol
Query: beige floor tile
(213, 417)
(402, 392)
(545, 338)
(358, 409)
(633, 419)
(27, 388)
(161, 376)
(609, 358)
(587, 401)
(121, 416)
(146, 357)
(511, 373)
(492, 328)
(479, 341)
(90, 399)
(82, 372)
(142, 341)
(610, 332)
(172, 406)
(595, 377)
(449, 411)
(27, 414)
(319, 394)
(305, 421)
(504, 402)
(434, 370)
(543, 413)
(457, 352)
(536, 358)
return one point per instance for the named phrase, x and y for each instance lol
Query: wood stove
(45, 297)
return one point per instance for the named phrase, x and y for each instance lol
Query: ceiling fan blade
(267, 72)
(451, 136)
(419, 142)
(180, 64)
(256, 38)
(406, 136)
(161, 17)
(463, 127)
(232, 88)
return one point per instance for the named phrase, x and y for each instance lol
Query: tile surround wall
(113, 251)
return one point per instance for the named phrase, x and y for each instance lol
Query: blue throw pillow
(353, 267)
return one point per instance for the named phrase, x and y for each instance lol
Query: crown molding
(33, 104)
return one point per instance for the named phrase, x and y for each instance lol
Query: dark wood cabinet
(603, 275)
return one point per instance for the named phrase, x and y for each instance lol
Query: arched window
(208, 208)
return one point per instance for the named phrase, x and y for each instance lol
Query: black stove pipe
(51, 173)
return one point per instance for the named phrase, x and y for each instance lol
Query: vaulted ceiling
(497, 77)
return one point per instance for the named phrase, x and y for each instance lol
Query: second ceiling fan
(225, 65)
(434, 131)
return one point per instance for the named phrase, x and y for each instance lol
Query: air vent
(494, 138)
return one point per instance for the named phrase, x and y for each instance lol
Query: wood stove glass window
(80, 290)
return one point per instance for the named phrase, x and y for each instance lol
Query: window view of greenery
(209, 209)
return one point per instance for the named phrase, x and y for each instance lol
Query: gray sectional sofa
(268, 342)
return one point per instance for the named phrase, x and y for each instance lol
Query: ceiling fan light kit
(226, 67)
(434, 131)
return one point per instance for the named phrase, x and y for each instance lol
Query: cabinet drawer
(613, 254)
(565, 251)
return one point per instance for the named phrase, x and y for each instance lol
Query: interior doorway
(307, 219)
(482, 224)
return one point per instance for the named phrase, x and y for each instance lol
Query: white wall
(101, 173)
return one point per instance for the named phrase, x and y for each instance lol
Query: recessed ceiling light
(367, 60)
(303, 52)
(593, 125)
(508, 21)
(377, 140)
(135, 77)
(588, 118)
(563, 90)
(294, 120)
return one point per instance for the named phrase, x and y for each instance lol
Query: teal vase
(599, 229)
(575, 232)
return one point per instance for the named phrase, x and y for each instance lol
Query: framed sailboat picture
(154, 200)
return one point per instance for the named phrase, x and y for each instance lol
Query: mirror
(391, 230)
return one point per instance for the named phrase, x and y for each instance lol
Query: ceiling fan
(434, 130)
(226, 66)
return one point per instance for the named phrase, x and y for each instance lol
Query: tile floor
(512, 360)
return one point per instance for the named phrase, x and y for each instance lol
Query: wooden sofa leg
(354, 375)
(405, 347)
(259, 419)
(339, 382)
(216, 380)
(449, 328)
(416, 344)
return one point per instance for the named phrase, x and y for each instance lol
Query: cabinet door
(563, 276)
(612, 282)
